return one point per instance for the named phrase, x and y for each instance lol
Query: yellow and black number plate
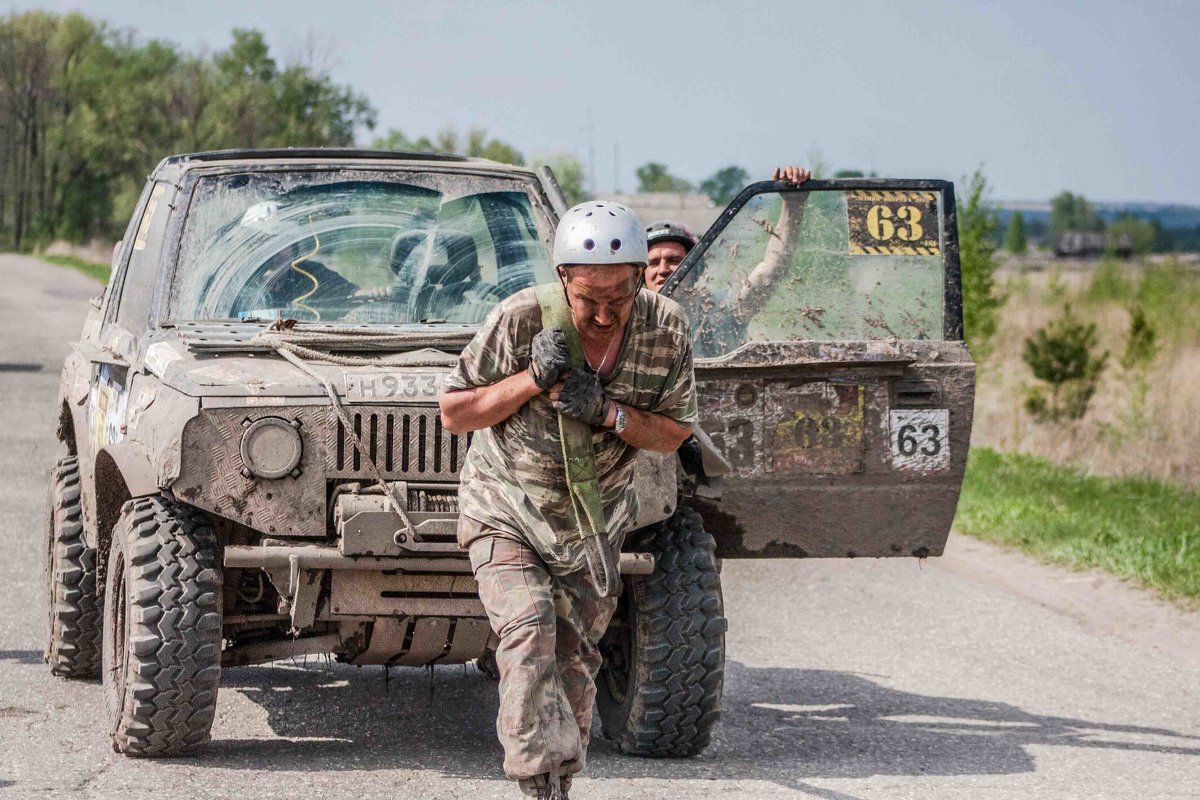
(890, 223)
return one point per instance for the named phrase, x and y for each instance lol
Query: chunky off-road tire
(162, 629)
(73, 623)
(659, 691)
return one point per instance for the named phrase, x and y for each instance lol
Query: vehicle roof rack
(270, 153)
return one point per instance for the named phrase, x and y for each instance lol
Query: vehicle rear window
(826, 265)
(355, 247)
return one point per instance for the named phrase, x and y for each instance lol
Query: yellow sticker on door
(815, 428)
(151, 206)
(893, 223)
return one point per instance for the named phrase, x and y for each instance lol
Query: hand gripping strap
(578, 456)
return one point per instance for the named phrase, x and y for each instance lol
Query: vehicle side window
(824, 265)
(138, 285)
(121, 256)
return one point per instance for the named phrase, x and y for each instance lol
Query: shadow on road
(22, 656)
(332, 716)
(786, 726)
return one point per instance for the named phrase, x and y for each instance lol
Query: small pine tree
(1142, 344)
(1015, 240)
(982, 299)
(1061, 354)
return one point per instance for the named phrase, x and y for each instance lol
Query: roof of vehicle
(330, 156)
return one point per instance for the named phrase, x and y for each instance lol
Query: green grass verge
(89, 268)
(1143, 530)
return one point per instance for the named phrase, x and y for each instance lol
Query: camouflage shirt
(513, 479)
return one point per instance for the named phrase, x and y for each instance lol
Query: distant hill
(1178, 225)
(1169, 215)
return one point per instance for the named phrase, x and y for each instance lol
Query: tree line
(86, 110)
(1070, 213)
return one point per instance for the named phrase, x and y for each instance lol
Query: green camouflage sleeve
(491, 356)
(678, 400)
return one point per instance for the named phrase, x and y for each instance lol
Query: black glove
(549, 358)
(583, 398)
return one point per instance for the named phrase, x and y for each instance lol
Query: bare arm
(754, 292)
(649, 431)
(466, 410)
(646, 430)
(782, 239)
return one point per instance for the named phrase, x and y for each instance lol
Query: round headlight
(271, 447)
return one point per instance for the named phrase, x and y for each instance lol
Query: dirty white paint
(144, 399)
(159, 356)
(920, 439)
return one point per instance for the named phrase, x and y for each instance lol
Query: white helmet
(600, 232)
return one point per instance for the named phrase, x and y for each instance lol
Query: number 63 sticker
(920, 440)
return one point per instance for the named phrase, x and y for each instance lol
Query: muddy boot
(545, 787)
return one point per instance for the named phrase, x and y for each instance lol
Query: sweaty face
(601, 297)
(663, 260)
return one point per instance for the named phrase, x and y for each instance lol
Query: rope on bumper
(286, 351)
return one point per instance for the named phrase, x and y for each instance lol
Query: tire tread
(173, 663)
(673, 702)
(73, 639)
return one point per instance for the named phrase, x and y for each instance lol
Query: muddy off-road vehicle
(256, 467)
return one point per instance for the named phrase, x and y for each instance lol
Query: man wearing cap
(617, 364)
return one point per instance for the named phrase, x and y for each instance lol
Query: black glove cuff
(544, 383)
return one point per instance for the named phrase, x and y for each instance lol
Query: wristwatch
(621, 421)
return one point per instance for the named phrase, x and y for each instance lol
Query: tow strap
(579, 458)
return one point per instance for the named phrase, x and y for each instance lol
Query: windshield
(355, 247)
(824, 265)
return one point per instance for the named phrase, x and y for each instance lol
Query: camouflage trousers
(549, 627)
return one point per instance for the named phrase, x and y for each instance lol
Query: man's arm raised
(754, 292)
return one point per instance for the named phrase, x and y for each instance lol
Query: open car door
(830, 366)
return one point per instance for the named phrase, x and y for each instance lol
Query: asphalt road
(954, 678)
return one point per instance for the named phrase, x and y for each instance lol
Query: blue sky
(1099, 97)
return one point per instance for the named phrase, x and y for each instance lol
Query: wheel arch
(73, 391)
(123, 472)
(66, 429)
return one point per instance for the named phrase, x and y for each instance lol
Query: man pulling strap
(545, 566)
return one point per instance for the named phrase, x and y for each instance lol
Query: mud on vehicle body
(257, 469)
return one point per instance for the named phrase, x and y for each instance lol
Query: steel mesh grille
(405, 443)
